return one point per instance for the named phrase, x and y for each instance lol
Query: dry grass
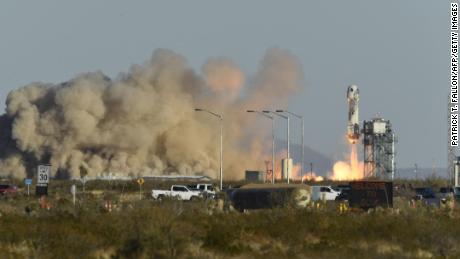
(173, 229)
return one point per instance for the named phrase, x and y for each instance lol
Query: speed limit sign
(43, 176)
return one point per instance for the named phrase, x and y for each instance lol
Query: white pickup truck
(324, 193)
(180, 192)
(206, 189)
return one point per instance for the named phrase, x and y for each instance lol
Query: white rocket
(353, 114)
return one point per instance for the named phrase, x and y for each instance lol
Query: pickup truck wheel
(193, 198)
(160, 197)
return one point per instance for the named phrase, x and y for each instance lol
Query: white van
(324, 193)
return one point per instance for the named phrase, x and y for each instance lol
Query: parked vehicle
(342, 187)
(180, 192)
(445, 192)
(344, 190)
(457, 192)
(207, 189)
(343, 196)
(8, 189)
(427, 196)
(424, 193)
(325, 193)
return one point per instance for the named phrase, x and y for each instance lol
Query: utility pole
(302, 169)
(287, 158)
(273, 140)
(221, 119)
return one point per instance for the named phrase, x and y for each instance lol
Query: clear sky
(397, 52)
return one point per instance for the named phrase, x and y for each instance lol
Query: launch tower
(379, 149)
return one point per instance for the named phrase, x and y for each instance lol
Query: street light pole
(273, 150)
(273, 140)
(287, 153)
(303, 151)
(221, 119)
(288, 172)
(303, 144)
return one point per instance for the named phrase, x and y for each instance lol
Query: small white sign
(43, 176)
(73, 189)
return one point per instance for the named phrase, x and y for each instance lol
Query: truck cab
(207, 189)
(324, 193)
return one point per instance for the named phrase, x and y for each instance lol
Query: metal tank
(287, 166)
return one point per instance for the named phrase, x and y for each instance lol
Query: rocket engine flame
(311, 176)
(352, 170)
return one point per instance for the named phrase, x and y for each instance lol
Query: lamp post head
(198, 109)
(279, 110)
(250, 111)
(266, 111)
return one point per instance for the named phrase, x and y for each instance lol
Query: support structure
(379, 149)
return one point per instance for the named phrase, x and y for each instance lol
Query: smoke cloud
(143, 122)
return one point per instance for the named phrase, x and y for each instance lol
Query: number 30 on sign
(43, 174)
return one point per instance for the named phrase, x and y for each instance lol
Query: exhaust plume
(352, 170)
(143, 122)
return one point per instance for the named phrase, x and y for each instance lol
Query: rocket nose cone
(351, 90)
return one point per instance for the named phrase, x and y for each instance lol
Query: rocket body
(353, 114)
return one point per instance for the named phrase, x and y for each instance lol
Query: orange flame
(311, 176)
(296, 172)
(308, 176)
(352, 170)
